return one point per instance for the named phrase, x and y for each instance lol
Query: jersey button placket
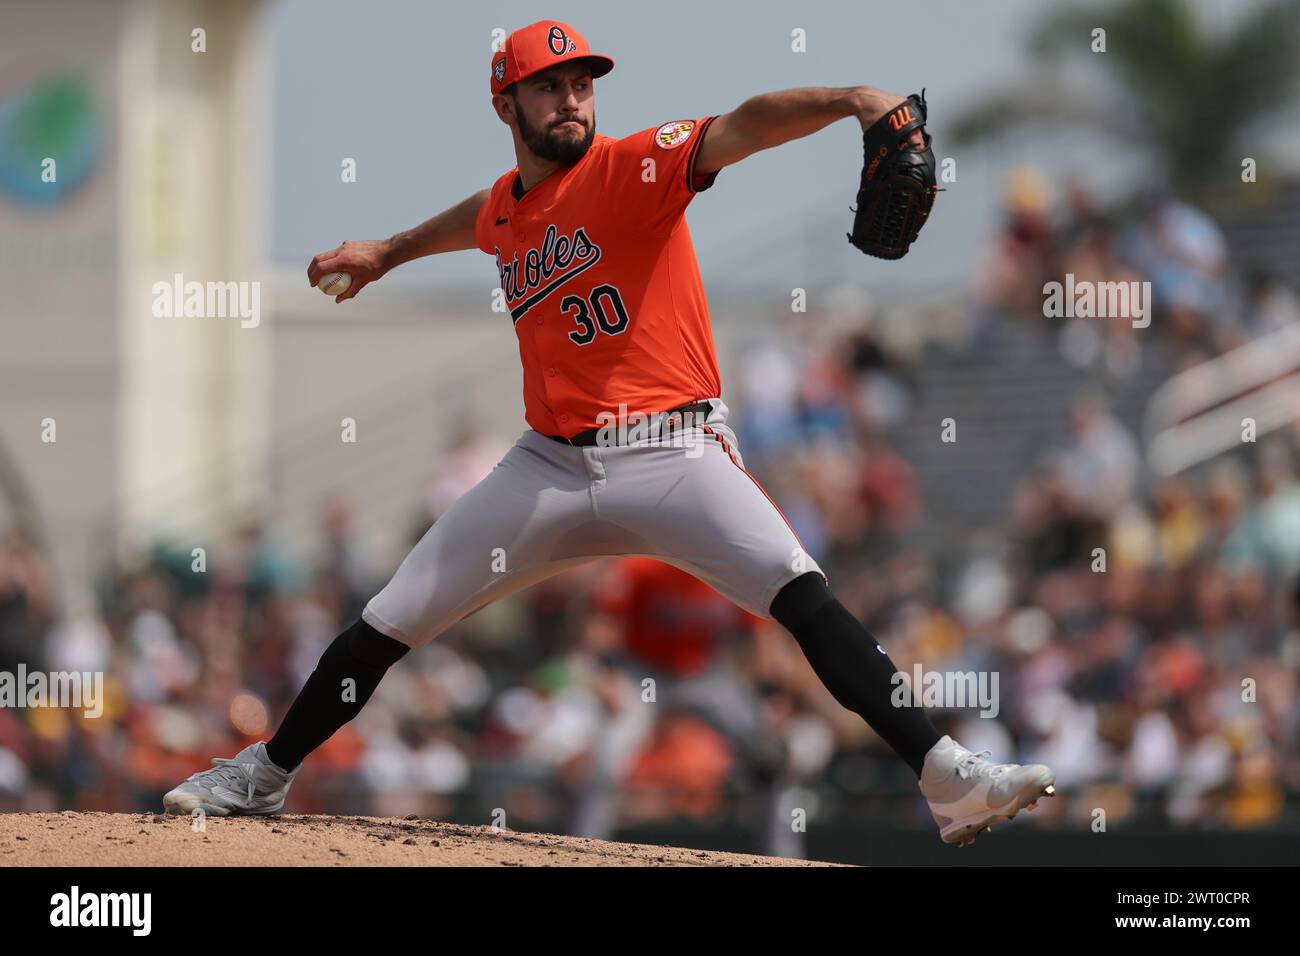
(563, 417)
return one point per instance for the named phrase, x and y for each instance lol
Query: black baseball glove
(898, 183)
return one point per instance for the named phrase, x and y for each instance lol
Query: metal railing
(1198, 413)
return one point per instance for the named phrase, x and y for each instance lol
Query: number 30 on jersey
(601, 311)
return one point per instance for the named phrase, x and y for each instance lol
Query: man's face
(555, 111)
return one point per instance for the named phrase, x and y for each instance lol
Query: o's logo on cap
(672, 135)
(559, 42)
(499, 69)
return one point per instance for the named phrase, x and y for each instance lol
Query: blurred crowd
(1145, 632)
(1202, 303)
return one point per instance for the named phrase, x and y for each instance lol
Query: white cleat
(968, 794)
(247, 783)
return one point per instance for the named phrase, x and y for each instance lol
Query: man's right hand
(365, 260)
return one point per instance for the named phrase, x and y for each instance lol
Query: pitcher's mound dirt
(126, 839)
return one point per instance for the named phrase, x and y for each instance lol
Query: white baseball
(335, 283)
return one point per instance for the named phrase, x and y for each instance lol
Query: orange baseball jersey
(599, 274)
(670, 619)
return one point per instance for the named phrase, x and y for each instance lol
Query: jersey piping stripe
(690, 160)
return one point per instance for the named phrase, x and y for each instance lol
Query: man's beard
(555, 144)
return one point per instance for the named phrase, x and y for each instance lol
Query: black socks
(844, 655)
(347, 674)
(852, 665)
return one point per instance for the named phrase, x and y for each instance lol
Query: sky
(402, 87)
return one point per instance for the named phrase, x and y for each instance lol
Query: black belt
(658, 424)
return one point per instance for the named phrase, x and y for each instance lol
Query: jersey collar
(555, 177)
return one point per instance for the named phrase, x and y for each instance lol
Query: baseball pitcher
(628, 450)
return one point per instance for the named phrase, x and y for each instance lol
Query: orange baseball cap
(539, 45)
